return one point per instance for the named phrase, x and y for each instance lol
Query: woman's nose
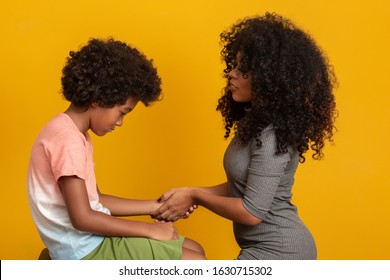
(233, 73)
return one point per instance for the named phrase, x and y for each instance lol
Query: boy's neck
(80, 116)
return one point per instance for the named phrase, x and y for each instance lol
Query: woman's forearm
(216, 199)
(220, 190)
(228, 207)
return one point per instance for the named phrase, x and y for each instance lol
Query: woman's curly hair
(292, 85)
(108, 72)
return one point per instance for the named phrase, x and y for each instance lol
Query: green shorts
(137, 248)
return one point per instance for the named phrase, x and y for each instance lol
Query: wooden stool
(44, 255)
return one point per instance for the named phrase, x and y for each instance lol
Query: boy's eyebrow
(128, 109)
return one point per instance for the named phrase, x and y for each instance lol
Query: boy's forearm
(119, 206)
(106, 225)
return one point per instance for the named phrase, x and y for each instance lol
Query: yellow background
(179, 141)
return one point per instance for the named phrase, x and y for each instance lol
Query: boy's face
(103, 120)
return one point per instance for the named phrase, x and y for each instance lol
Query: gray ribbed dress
(264, 181)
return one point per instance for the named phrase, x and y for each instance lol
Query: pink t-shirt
(61, 150)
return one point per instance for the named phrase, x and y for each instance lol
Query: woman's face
(240, 85)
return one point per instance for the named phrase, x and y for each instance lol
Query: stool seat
(44, 255)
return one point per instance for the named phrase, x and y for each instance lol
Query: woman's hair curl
(292, 85)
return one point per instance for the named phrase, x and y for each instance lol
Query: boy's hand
(185, 216)
(163, 231)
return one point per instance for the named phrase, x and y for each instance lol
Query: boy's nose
(119, 122)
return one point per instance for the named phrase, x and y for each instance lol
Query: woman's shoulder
(267, 138)
(268, 133)
(269, 142)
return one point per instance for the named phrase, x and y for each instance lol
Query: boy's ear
(94, 105)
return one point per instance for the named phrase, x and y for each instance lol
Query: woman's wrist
(194, 194)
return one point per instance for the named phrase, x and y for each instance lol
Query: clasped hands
(175, 204)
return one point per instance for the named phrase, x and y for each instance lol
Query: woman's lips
(232, 87)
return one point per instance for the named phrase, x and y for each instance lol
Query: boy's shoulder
(60, 127)
(60, 120)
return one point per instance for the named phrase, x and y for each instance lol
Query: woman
(279, 102)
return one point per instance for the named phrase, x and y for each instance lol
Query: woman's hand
(176, 203)
(185, 216)
(190, 211)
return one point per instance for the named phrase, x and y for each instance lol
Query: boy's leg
(192, 250)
